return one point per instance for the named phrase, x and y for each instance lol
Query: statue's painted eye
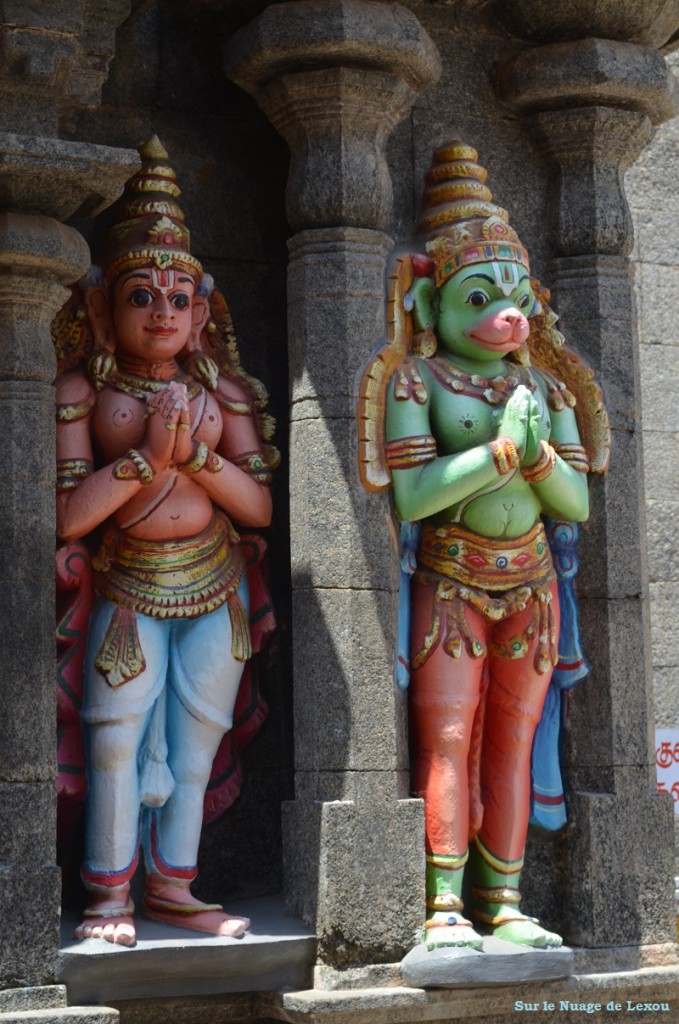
(477, 298)
(525, 301)
(140, 297)
(180, 300)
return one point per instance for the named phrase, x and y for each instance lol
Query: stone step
(41, 997)
(63, 1015)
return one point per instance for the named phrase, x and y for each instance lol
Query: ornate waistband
(170, 579)
(480, 562)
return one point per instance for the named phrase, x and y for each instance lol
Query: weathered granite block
(27, 839)
(665, 623)
(27, 674)
(348, 713)
(607, 727)
(332, 328)
(29, 892)
(649, 22)
(27, 481)
(590, 71)
(611, 548)
(369, 852)
(658, 290)
(620, 890)
(343, 535)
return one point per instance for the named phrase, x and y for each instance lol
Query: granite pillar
(590, 103)
(334, 77)
(39, 256)
(51, 59)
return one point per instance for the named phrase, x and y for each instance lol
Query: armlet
(407, 452)
(69, 413)
(408, 383)
(237, 408)
(256, 465)
(574, 454)
(70, 472)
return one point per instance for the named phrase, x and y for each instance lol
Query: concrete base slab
(277, 953)
(500, 963)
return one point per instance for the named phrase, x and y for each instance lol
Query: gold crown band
(458, 169)
(164, 259)
(452, 191)
(483, 252)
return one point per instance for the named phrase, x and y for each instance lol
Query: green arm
(423, 491)
(564, 494)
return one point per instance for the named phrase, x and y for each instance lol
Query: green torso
(462, 412)
(508, 508)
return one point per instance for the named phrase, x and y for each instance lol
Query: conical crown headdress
(148, 222)
(461, 223)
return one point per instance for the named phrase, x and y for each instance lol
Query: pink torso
(173, 505)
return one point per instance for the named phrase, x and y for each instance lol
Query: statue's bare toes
(117, 930)
(234, 926)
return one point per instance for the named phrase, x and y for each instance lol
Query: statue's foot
(526, 931)
(449, 928)
(175, 905)
(106, 917)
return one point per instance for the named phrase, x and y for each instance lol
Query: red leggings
(444, 696)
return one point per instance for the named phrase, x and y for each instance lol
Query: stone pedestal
(590, 105)
(39, 257)
(354, 844)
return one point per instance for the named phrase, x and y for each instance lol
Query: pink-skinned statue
(161, 448)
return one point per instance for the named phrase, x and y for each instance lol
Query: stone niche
(167, 78)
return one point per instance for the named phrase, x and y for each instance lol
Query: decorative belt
(172, 579)
(483, 563)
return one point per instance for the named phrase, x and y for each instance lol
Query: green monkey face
(484, 309)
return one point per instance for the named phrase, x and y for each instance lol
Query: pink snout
(503, 331)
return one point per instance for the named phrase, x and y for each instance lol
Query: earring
(424, 342)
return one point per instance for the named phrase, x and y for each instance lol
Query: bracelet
(543, 468)
(574, 454)
(198, 459)
(505, 455)
(134, 467)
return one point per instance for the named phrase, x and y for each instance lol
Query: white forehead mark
(162, 280)
(506, 276)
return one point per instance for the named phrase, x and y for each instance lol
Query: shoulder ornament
(408, 383)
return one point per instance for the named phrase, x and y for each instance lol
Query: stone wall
(652, 192)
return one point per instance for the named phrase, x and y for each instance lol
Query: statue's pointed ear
(99, 316)
(425, 304)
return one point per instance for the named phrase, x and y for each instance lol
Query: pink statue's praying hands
(160, 442)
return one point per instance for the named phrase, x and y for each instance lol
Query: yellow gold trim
(154, 185)
(171, 579)
(70, 413)
(503, 867)
(164, 259)
(484, 563)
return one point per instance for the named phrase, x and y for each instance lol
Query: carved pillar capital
(334, 77)
(591, 105)
(54, 57)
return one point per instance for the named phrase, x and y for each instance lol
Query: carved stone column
(49, 61)
(38, 257)
(334, 77)
(590, 103)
